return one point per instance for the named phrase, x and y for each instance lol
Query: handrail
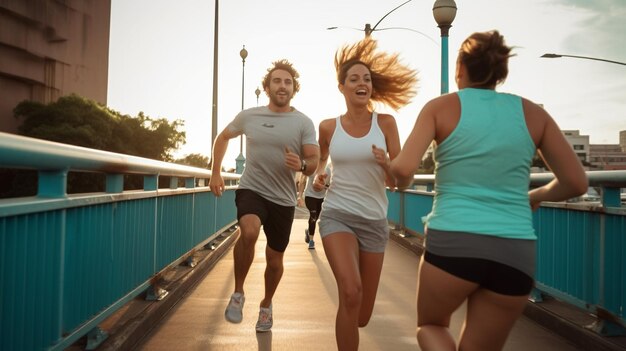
(67, 262)
(30, 153)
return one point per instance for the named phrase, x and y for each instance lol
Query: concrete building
(622, 140)
(51, 48)
(607, 156)
(580, 143)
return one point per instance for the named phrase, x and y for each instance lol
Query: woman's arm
(570, 178)
(404, 166)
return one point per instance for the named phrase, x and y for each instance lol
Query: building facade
(51, 48)
(607, 157)
(580, 143)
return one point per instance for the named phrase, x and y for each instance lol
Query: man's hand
(216, 184)
(292, 160)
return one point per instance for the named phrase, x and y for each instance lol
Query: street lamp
(257, 92)
(444, 12)
(581, 57)
(214, 109)
(240, 160)
(369, 29)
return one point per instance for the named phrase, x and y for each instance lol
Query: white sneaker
(266, 320)
(234, 310)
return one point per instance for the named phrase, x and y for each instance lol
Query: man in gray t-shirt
(280, 141)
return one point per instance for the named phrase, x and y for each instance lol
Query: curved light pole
(369, 29)
(214, 108)
(444, 12)
(240, 160)
(581, 57)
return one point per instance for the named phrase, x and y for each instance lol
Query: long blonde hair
(394, 84)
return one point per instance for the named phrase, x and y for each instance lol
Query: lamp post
(369, 29)
(214, 109)
(240, 160)
(257, 92)
(581, 57)
(444, 12)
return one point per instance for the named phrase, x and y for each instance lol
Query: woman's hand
(381, 157)
(320, 182)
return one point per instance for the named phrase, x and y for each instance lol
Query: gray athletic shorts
(372, 234)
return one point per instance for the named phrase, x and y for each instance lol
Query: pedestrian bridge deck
(305, 306)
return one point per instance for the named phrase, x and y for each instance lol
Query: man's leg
(249, 226)
(273, 274)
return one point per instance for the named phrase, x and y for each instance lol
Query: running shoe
(265, 321)
(234, 310)
(311, 244)
(306, 236)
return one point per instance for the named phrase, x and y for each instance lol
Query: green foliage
(78, 121)
(427, 166)
(538, 162)
(195, 160)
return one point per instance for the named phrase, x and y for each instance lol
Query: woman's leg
(314, 206)
(439, 294)
(342, 251)
(370, 264)
(490, 318)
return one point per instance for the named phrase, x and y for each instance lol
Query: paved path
(305, 306)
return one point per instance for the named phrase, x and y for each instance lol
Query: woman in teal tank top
(480, 242)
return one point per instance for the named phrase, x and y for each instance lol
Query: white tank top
(358, 182)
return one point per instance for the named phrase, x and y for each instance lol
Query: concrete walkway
(305, 306)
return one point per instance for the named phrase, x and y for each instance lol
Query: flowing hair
(394, 84)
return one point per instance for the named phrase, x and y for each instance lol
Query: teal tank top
(482, 169)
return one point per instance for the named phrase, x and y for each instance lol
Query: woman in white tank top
(353, 222)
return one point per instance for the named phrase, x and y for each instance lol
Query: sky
(161, 57)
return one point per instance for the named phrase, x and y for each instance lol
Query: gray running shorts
(372, 234)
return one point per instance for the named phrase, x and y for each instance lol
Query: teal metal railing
(581, 246)
(67, 262)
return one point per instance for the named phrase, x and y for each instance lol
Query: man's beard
(278, 101)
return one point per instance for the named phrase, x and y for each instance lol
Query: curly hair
(285, 66)
(486, 58)
(393, 83)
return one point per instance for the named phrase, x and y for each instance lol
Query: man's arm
(310, 155)
(219, 150)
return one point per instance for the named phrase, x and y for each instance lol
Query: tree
(196, 160)
(78, 121)
(427, 166)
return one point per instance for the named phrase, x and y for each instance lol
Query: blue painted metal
(611, 197)
(95, 337)
(418, 204)
(240, 162)
(581, 247)
(174, 234)
(92, 253)
(114, 183)
(89, 254)
(444, 64)
(394, 207)
(52, 183)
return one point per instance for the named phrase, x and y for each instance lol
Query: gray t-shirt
(267, 135)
